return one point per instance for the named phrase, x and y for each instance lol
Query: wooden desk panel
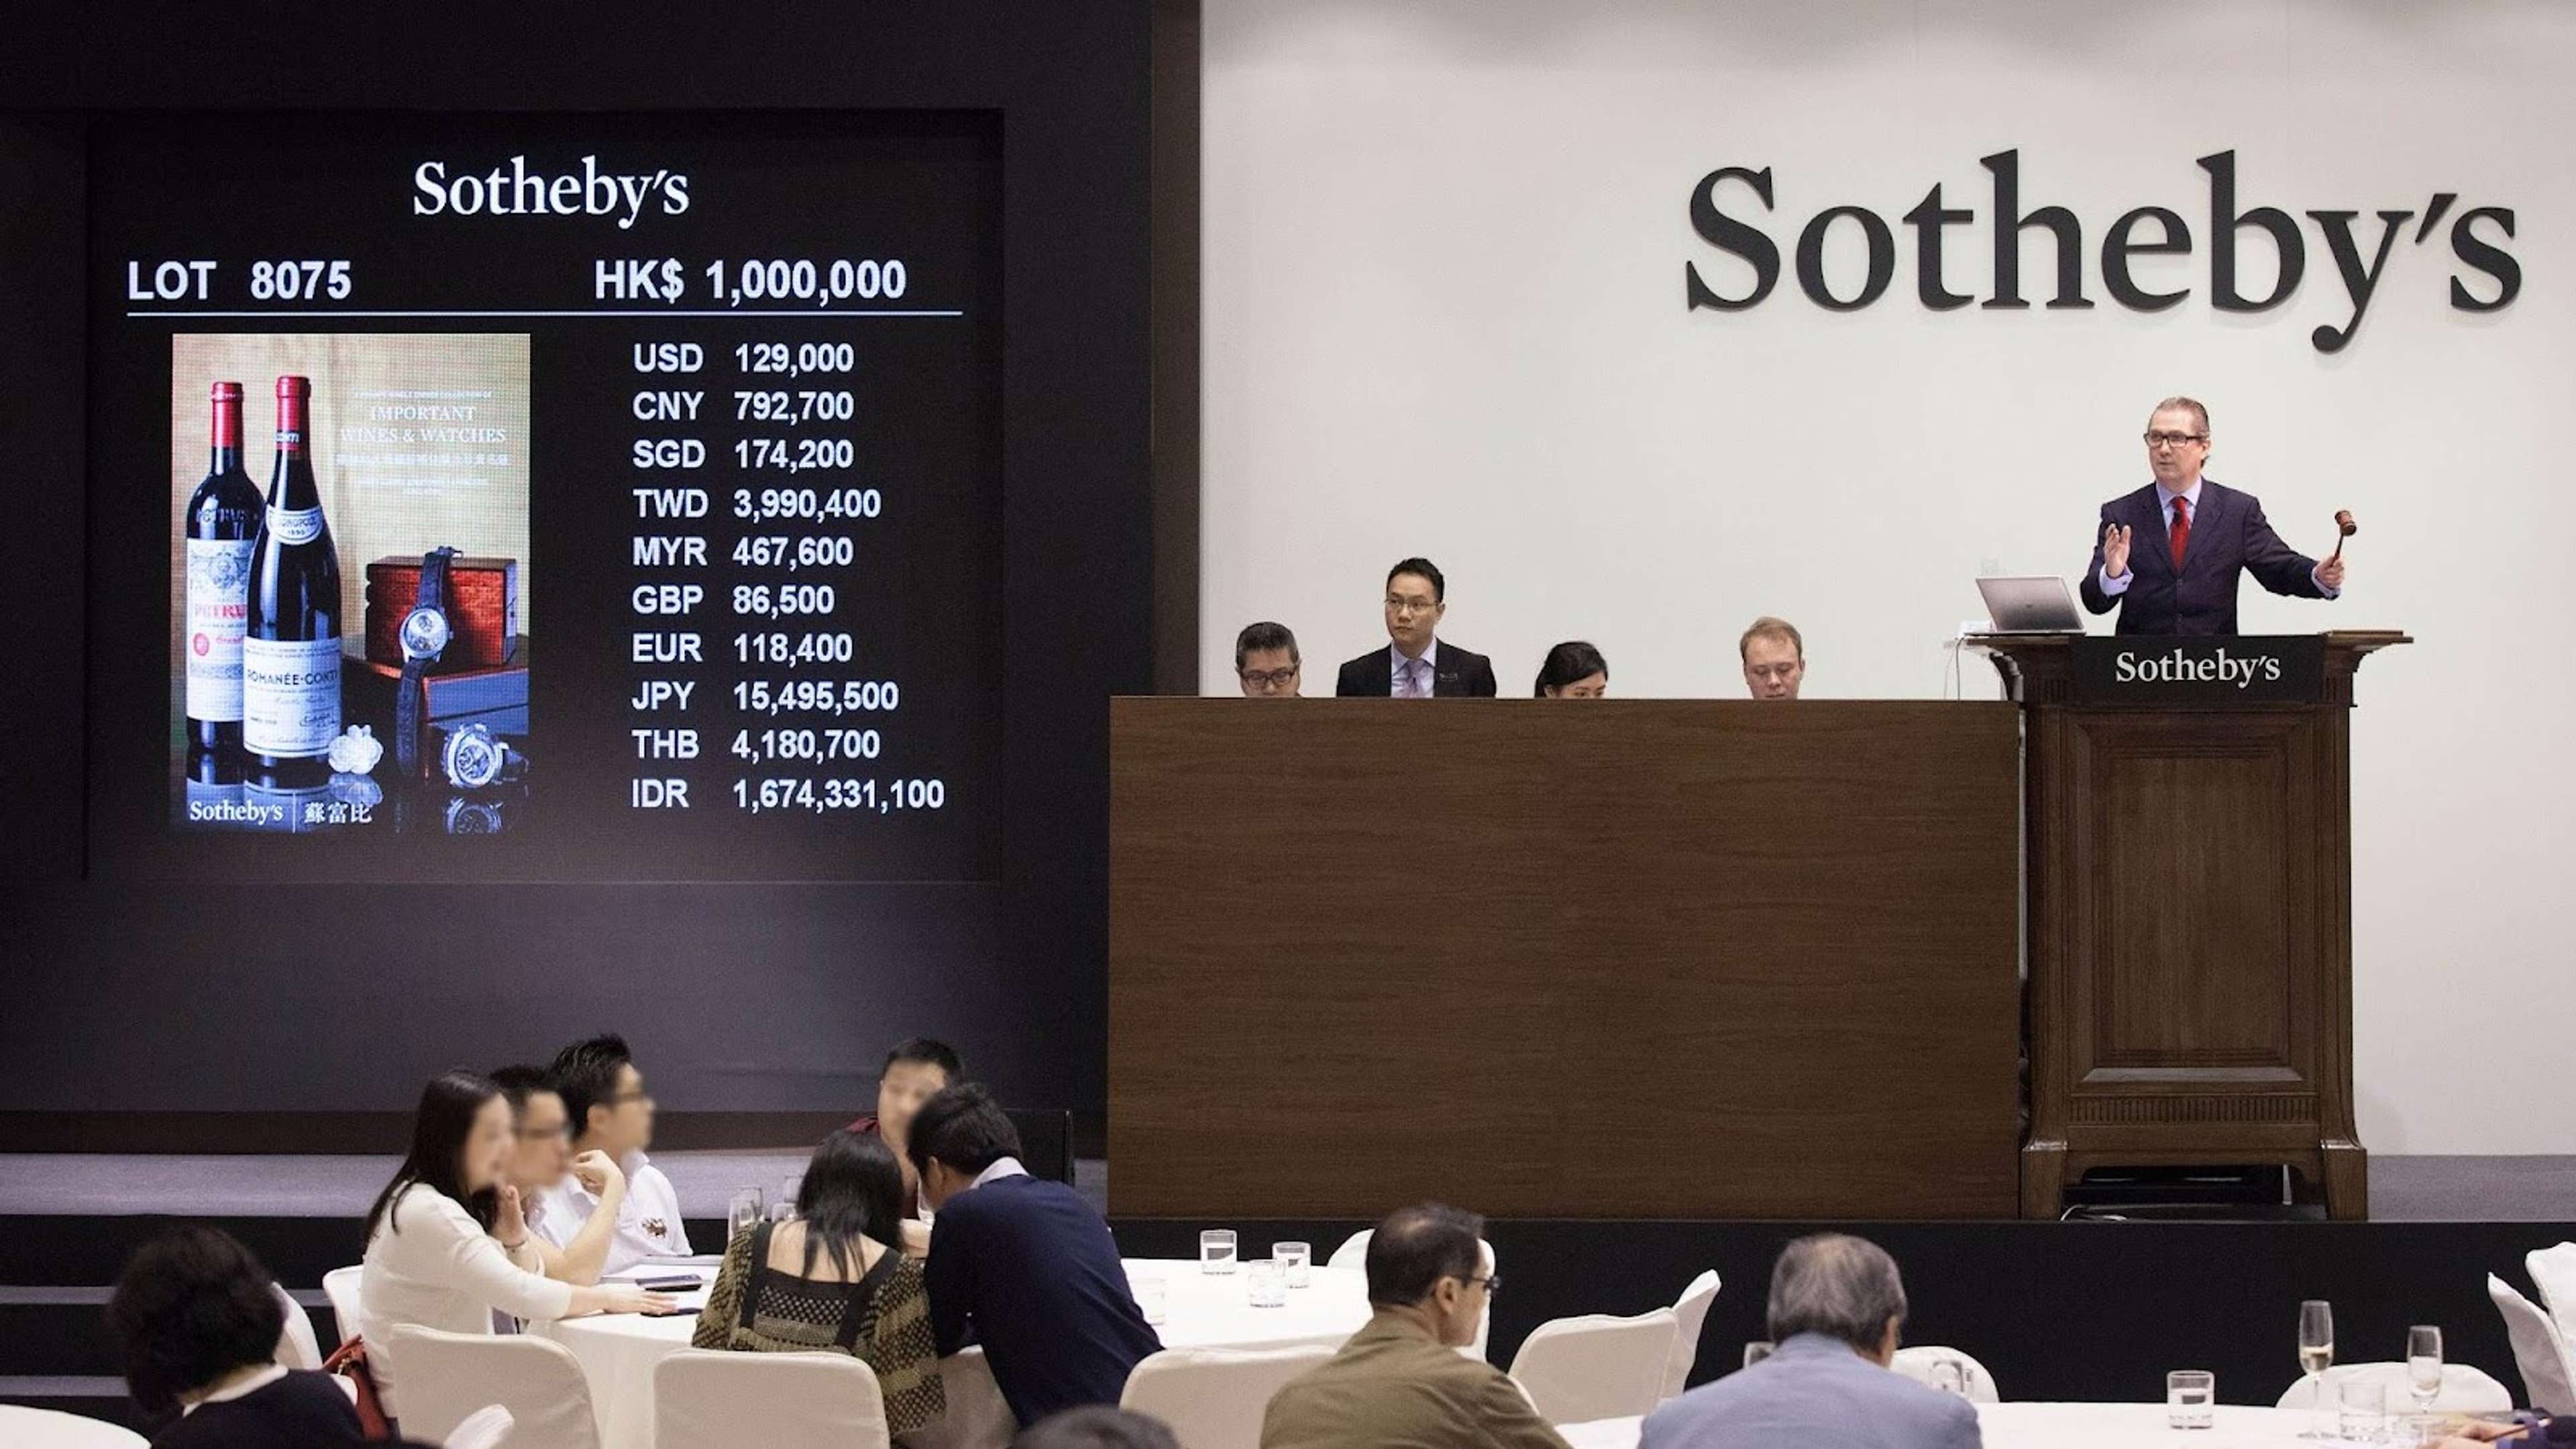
(1629, 958)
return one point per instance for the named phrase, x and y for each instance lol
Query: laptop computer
(2031, 605)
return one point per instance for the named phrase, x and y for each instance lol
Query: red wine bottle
(291, 635)
(219, 528)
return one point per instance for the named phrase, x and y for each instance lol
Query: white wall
(1444, 244)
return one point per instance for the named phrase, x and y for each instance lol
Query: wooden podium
(2189, 904)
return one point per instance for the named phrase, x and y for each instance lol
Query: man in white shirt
(606, 1105)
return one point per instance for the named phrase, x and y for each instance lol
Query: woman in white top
(446, 1244)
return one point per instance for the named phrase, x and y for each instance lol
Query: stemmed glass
(2316, 1354)
(2424, 1367)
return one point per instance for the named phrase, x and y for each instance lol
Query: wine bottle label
(290, 695)
(295, 525)
(218, 602)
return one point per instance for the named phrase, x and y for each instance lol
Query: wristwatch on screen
(474, 758)
(425, 634)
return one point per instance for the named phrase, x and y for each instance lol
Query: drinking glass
(1151, 1297)
(1295, 1261)
(2365, 1408)
(747, 1211)
(2316, 1353)
(2191, 1397)
(2424, 1367)
(1216, 1250)
(1755, 1351)
(1265, 1286)
(785, 1207)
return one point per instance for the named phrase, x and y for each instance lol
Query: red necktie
(2181, 528)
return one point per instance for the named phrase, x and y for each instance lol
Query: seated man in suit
(1401, 1379)
(1836, 1306)
(1416, 665)
(1266, 662)
(1025, 1267)
(2167, 556)
(1774, 658)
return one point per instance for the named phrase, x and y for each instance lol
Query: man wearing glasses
(1401, 1379)
(2167, 556)
(608, 1111)
(1265, 661)
(1416, 665)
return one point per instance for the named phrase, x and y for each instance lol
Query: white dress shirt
(242, 1390)
(648, 1222)
(1397, 665)
(431, 1264)
(1002, 1167)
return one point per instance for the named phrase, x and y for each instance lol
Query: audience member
(915, 1071)
(610, 1114)
(541, 1160)
(1401, 1379)
(1097, 1427)
(1573, 670)
(1774, 658)
(446, 1243)
(1266, 662)
(1837, 1306)
(198, 1323)
(1023, 1266)
(1415, 664)
(834, 1278)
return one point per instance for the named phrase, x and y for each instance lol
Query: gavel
(2344, 528)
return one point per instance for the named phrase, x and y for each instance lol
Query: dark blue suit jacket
(1029, 1270)
(2228, 535)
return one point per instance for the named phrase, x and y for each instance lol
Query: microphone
(2344, 528)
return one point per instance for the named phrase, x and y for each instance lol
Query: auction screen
(546, 497)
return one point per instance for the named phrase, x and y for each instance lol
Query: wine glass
(2316, 1353)
(2424, 1367)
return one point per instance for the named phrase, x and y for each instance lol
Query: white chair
(2553, 1272)
(443, 1379)
(1918, 1363)
(1690, 1314)
(297, 1346)
(1214, 1397)
(340, 1285)
(711, 1399)
(1597, 1367)
(486, 1428)
(23, 1428)
(2465, 1389)
(2539, 1350)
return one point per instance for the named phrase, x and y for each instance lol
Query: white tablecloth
(2069, 1426)
(618, 1351)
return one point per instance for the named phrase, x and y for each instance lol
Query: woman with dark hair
(446, 1243)
(1574, 670)
(198, 1322)
(834, 1278)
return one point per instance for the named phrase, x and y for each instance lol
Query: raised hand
(509, 1224)
(2115, 550)
(595, 1171)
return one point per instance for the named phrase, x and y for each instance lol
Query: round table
(617, 1352)
(2054, 1426)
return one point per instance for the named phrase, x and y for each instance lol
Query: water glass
(2191, 1399)
(1151, 1297)
(2364, 1404)
(1216, 1250)
(1756, 1350)
(1295, 1262)
(2424, 1366)
(748, 1209)
(785, 1208)
(1265, 1286)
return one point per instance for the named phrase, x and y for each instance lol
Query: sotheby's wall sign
(2407, 243)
